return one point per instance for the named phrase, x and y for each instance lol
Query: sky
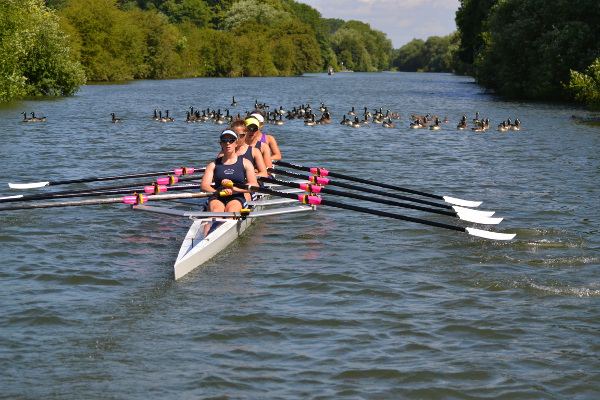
(401, 20)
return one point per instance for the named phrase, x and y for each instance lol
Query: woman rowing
(243, 149)
(227, 169)
(264, 138)
(253, 136)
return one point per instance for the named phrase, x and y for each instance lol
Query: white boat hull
(197, 249)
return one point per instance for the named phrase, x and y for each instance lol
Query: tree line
(533, 49)
(525, 49)
(52, 47)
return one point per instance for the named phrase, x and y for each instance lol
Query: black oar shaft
(365, 181)
(354, 187)
(357, 209)
(363, 197)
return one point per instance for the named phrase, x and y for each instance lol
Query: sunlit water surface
(329, 305)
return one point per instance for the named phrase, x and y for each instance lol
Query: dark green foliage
(436, 54)
(527, 48)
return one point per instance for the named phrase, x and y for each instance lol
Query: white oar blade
(12, 197)
(461, 202)
(480, 213)
(33, 185)
(490, 235)
(479, 220)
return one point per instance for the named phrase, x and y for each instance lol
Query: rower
(253, 136)
(264, 138)
(230, 168)
(243, 149)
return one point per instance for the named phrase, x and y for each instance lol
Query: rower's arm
(261, 168)
(275, 152)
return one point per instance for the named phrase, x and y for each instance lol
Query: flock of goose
(321, 115)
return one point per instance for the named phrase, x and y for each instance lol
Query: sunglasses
(228, 141)
(253, 128)
(242, 135)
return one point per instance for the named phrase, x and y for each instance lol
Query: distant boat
(330, 71)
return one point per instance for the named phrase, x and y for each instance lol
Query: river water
(330, 304)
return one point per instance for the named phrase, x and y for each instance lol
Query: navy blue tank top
(234, 172)
(248, 155)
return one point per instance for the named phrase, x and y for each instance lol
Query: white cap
(258, 117)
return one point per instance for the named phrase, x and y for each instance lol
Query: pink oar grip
(168, 180)
(310, 188)
(319, 180)
(309, 199)
(183, 171)
(134, 199)
(319, 171)
(155, 189)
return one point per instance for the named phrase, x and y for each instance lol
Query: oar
(33, 185)
(325, 181)
(97, 190)
(146, 189)
(467, 215)
(134, 199)
(325, 172)
(307, 199)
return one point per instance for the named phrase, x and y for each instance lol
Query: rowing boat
(212, 232)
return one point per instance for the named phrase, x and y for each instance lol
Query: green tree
(471, 19)
(34, 56)
(252, 12)
(195, 11)
(586, 86)
(531, 46)
(412, 56)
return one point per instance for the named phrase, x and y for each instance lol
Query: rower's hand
(227, 192)
(227, 182)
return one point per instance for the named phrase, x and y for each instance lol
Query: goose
(462, 125)
(345, 121)
(388, 123)
(416, 124)
(310, 121)
(25, 119)
(476, 119)
(234, 103)
(37, 119)
(169, 119)
(437, 126)
(279, 121)
(325, 118)
(155, 116)
(352, 112)
(516, 126)
(190, 117)
(503, 127)
(161, 118)
(115, 119)
(367, 114)
(478, 127)
(322, 108)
